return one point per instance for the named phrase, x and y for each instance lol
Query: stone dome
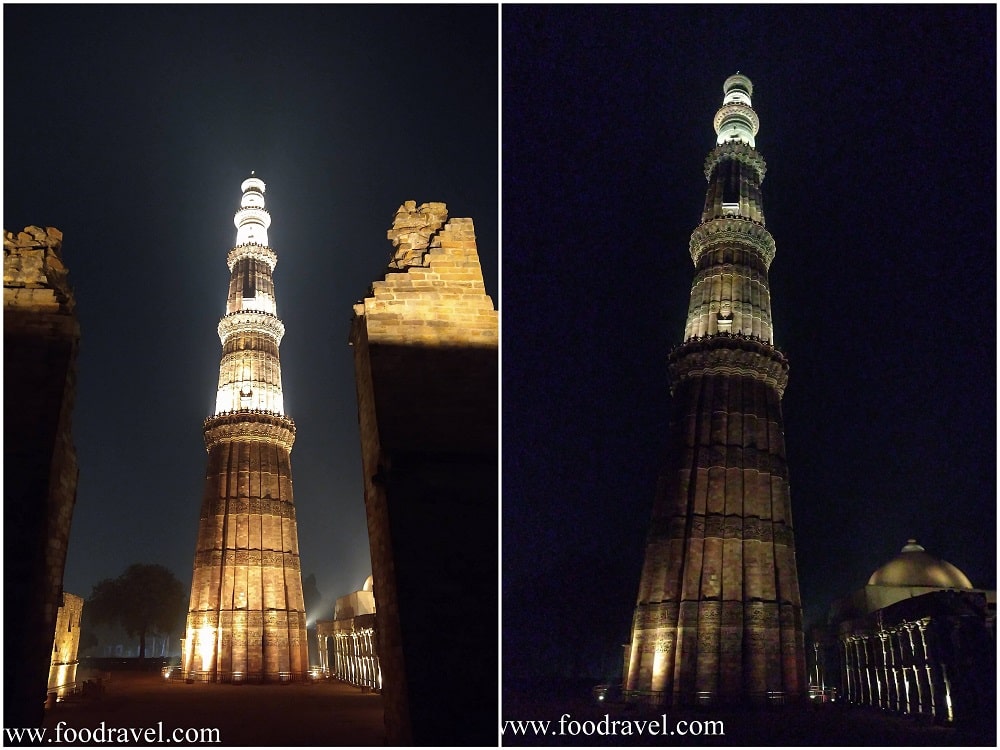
(914, 566)
(369, 584)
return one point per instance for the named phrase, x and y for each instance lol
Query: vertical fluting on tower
(247, 620)
(719, 617)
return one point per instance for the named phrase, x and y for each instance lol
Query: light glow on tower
(206, 646)
(736, 120)
(249, 375)
(246, 619)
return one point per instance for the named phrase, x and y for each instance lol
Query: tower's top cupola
(252, 220)
(736, 120)
(253, 184)
(735, 86)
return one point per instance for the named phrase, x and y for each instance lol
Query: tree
(87, 639)
(145, 599)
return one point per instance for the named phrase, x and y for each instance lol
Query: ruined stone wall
(41, 336)
(425, 348)
(66, 645)
(439, 297)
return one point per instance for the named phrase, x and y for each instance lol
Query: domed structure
(914, 566)
(898, 639)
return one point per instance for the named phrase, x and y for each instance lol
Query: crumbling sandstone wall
(66, 645)
(412, 231)
(34, 277)
(425, 348)
(440, 298)
(41, 336)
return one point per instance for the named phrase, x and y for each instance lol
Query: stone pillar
(915, 661)
(932, 690)
(867, 693)
(41, 338)
(342, 673)
(906, 667)
(850, 680)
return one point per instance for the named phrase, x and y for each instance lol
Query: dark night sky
(879, 128)
(131, 129)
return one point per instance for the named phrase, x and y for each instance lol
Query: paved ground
(334, 714)
(823, 726)
(315, 714)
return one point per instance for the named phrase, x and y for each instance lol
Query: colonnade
(897, 669)
(354, 657)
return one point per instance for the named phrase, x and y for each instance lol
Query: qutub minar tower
(719, 618)
(247, 618)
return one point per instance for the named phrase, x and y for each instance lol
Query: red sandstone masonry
(434, 293)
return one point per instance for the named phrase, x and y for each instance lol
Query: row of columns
(355, 658)
(896, 670)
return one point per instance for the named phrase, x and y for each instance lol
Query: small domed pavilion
(918, 638)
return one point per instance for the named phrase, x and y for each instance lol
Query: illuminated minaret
(719, 618)
(247, 618)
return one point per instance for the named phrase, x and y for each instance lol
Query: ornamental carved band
(265, 558)
(737, 111)
(728, 354)
(251, 322)
(257, 506)
(249, 424)
(718, 526)
(252, 250)
(255, 214)
(743, 231)
(739, 151)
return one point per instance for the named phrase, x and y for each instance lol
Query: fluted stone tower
(719, 618)
(247, 617)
